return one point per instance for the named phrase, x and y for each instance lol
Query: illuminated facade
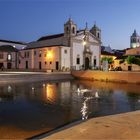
(73, 49)
(46, 58)
(134, 40)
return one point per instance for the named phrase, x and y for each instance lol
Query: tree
(109, 59)
(133, 60)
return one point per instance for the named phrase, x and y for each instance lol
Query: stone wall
(111, 76)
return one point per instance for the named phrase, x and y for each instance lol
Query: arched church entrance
(86, 63)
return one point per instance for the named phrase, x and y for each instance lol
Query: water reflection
(50, 93)
(44, 106)
(85, 108)
(9, 88)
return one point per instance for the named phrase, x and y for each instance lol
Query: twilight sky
(28, 20)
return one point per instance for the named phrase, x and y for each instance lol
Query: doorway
(57, 65)
(40, 66)
(9, 65)
(129, 68)
(1, 65)
(26, 66)
(86, 63)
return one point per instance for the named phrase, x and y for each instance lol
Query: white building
(73, 49)
(134, 40)
(45, 58)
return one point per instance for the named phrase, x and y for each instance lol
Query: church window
(65, 51)
(98, 35)
(67, 29)
(134, 40)
(78, 60)
(94, 61)
(73, 30)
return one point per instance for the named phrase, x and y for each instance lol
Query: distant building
(9, 53)
(15, 44)
(133, 51)
(73, 49)
(8, 57)
(134, 40)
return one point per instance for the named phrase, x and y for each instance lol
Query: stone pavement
(124, 126)
(10, 77)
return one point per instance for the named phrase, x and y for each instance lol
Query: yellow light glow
(84, 43)
(49, 55)
(51, 93)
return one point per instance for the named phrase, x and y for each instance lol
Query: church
(73, 49)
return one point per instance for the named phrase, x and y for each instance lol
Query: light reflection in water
(9, 88)
(50, 93)
(85, 108)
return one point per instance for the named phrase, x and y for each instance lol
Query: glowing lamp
(49, 54)
(84, 43)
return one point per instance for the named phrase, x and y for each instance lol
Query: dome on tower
(70, 21)
(135, 33)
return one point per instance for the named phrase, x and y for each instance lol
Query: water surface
(29, 109)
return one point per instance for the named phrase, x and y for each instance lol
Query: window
(65, 51)
(50, 62)
(73, 30)
(25, 54)
(94, 61)
(40, 53)
(45, 62)
(67, 29)
(9, 57)
(45, 55)
(19, 62)
(98, 35)
(28, 54)
(1, 55)
(78, 60)
(34, 52)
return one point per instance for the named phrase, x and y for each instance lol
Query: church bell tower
(134, 40)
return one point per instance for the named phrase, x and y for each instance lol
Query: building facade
(45, 58)
(133, 51)
(8, 57)
(73, 49)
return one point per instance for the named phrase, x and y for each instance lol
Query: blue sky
(27, 20)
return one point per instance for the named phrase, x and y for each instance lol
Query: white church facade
(73, 49)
